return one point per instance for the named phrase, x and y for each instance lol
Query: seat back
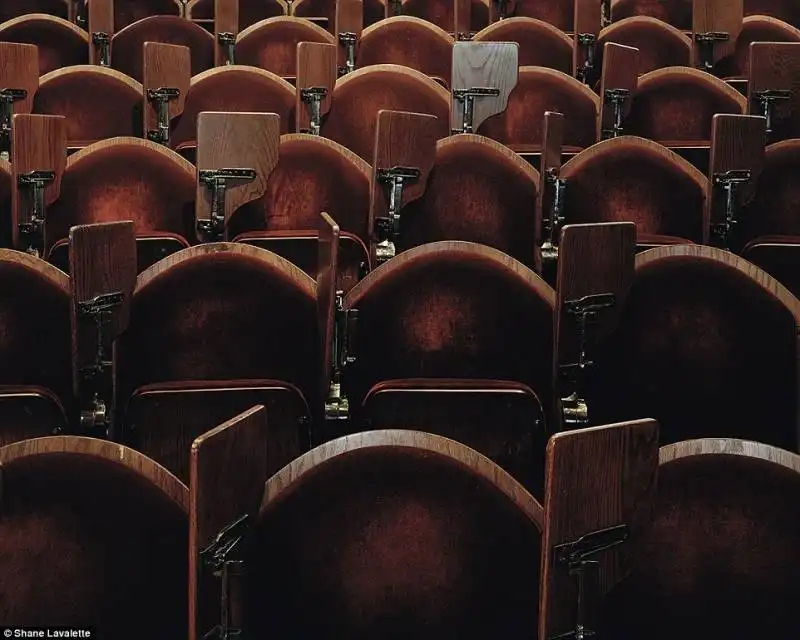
(660, 44)
(677, 13)
(779, 256)
(785, 10)
(773, 88)
(540, 44)
(250, 11)
(60, 43)
(16, 8)
(560, 13)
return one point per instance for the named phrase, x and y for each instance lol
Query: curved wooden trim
(111, 451)
(790, 29)
(128, 141)
(577, 162)
(306, 24)
(479, 464)
(792, 144)
(730, 447)
(266, 75)
(5, 167)
(574, 83)
(526, 167)
(357, 161)
(434, 29)
(304, 282)
(196, 28)
(510, 265)
(33, 17)
(749, 270)
(443, 93)
(488, 31)
(607, 34)
(54, 275)
(105, 71)
(657, 75)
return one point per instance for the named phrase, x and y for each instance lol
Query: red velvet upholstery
(15, 8)
(635, 180)
(221, 312)
(660, 44)
(61, 43)
(98, 103)
(359, 96)
(675, 105)
(721, 555)
(559, 13)
(250, 11)
(755, 29)
(126, 52)
(539, 90)
(786, 10)
(477, 191)
(408, 41)
(390, 541)
(705, 348)
(779, 256)
(440, 13)
(5, 204)
(234, 89)
(272, 44)
(540, 44)
(452, 310)
(678, 13)
(125, 179)
(87, 540)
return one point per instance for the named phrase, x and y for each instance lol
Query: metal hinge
(730, 182)
(162, 97)
(216, 180)
(467, 99)
(312, 97)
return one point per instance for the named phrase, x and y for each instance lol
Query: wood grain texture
(587, 21)
(484, 64)
(40, 144)
(165, 66)
(595, 478)
(102, 260)
(236, 141)
(723, 16)
(776, 66)
(316, 67)
(226, 20)
(552, 144)
(101, 20)
(20, 70)
(327, 265)
(620, 71)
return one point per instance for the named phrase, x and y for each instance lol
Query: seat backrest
(250, 11)
(757, 29)
(385, 533)
(17, 8)
(126, 12)
(678, 13)
(101, 518)
(659, 43)
(61, 43)
(559, 13)
(785, 10)
(779, 256)
(540, 44)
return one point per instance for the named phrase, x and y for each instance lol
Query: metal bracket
(228, 40)
(337, 406)
(397, 7)
(589, 42)
(767, 99)
(502, 9)
(348, 40)
(616, 98)
(551, 225)
(312, 97)
(35, 182)
(7, 99)
(162, 97)
(102, 41)
(216, 558)
(730, 182)
(388, 228)
(706, 42)
(467, 99)
(577, 557)
(217, 181)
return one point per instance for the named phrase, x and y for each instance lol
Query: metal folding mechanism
(589, 42)
(337, 406)
(32, 230)
(102, 42)
(348, 40)
(767, 99)
(616, 98)
(730, 182)
(388, 228)
(706, 42)
(228, 40)
(7, 99)
(574, 375)
(222, 558)
(217, 180)
(162, 97)
(312, 97)
(97, 383)
(551, 224)
(467, 99)
(577, 557)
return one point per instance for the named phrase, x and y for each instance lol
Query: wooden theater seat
(411, 42)
(674, 106)
(126, 179)
(660, 44)
(540, 44)
(539, 90)
(60, 43)
(785, 10)
(707, 344)
(722, 550)
(92, 534)
(17, 8)
(126, 12)
(472, 14)
(756, 29)
(636, 180)
(559, 13)
(678, 13)
(359, 96)
(779, 256)
(272, 44)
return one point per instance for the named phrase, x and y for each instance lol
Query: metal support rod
(616, 98)
(32, 227)
(394, 180)
(348, 41)
(102, 42)
(228, 40)
(766, 100)
(312, 97)
(162, 97)
(588, 42)
(730, 182)
(7, 99)
(706, 43)
(552, 224)
(217, 181)
(467, 99)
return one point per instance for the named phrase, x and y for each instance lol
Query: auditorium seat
(442, 13)
(250, 11)
(16, 8)
(61, 43)
(678, 13)
(540, 44)
(779, 256)
(660, 44)
(559, 13)
(786, 10)
(126, 12)
(756, 29)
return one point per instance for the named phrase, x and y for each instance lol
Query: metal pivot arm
(577, 557)
(102, 42)
(312, 97)
(589, 42)
(228, 40)
(767, 99)
(217, 181)
(706, 42)
(7, 99)
(730, 182)
(585, 312)
(551, 224)
(388, 228)
(348, 41)
(467, 99)
(337, 406)
(162, 97)
(218, 558)
(616, 98)
(32, 228)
